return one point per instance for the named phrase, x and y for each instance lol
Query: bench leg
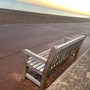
(43, 82)
(25, 68)
(24, 72)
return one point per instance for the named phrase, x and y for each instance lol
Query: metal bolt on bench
(46, 62)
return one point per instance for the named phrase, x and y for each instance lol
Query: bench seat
(37, 65)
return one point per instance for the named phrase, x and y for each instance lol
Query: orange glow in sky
(74, 6)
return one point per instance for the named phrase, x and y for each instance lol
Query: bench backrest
(61, 53)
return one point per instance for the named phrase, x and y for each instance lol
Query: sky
(41, 7)
(75, 6)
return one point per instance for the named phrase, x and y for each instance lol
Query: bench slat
(34, 62)
(44, 52)
(41, 70)
(41, 66)
(33, 79)
(30, 60)
(36, 65)
(34, 69)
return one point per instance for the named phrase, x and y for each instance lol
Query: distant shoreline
(8, 16)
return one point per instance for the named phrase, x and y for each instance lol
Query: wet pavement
(36, 37)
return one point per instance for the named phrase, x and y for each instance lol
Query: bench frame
(57, 52)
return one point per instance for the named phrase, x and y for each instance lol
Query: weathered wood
(34, 62)
(36, 56)
(46, 69)
(46, 62)
(40, 67)
(44, 52)
(66, 39)
(25, 67)
(33, 79)
(69, 43)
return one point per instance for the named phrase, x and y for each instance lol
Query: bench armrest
(34, 55)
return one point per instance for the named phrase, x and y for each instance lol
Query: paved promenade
(36, 37)
(76, 77)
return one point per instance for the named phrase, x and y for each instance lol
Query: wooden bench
(46, 62)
